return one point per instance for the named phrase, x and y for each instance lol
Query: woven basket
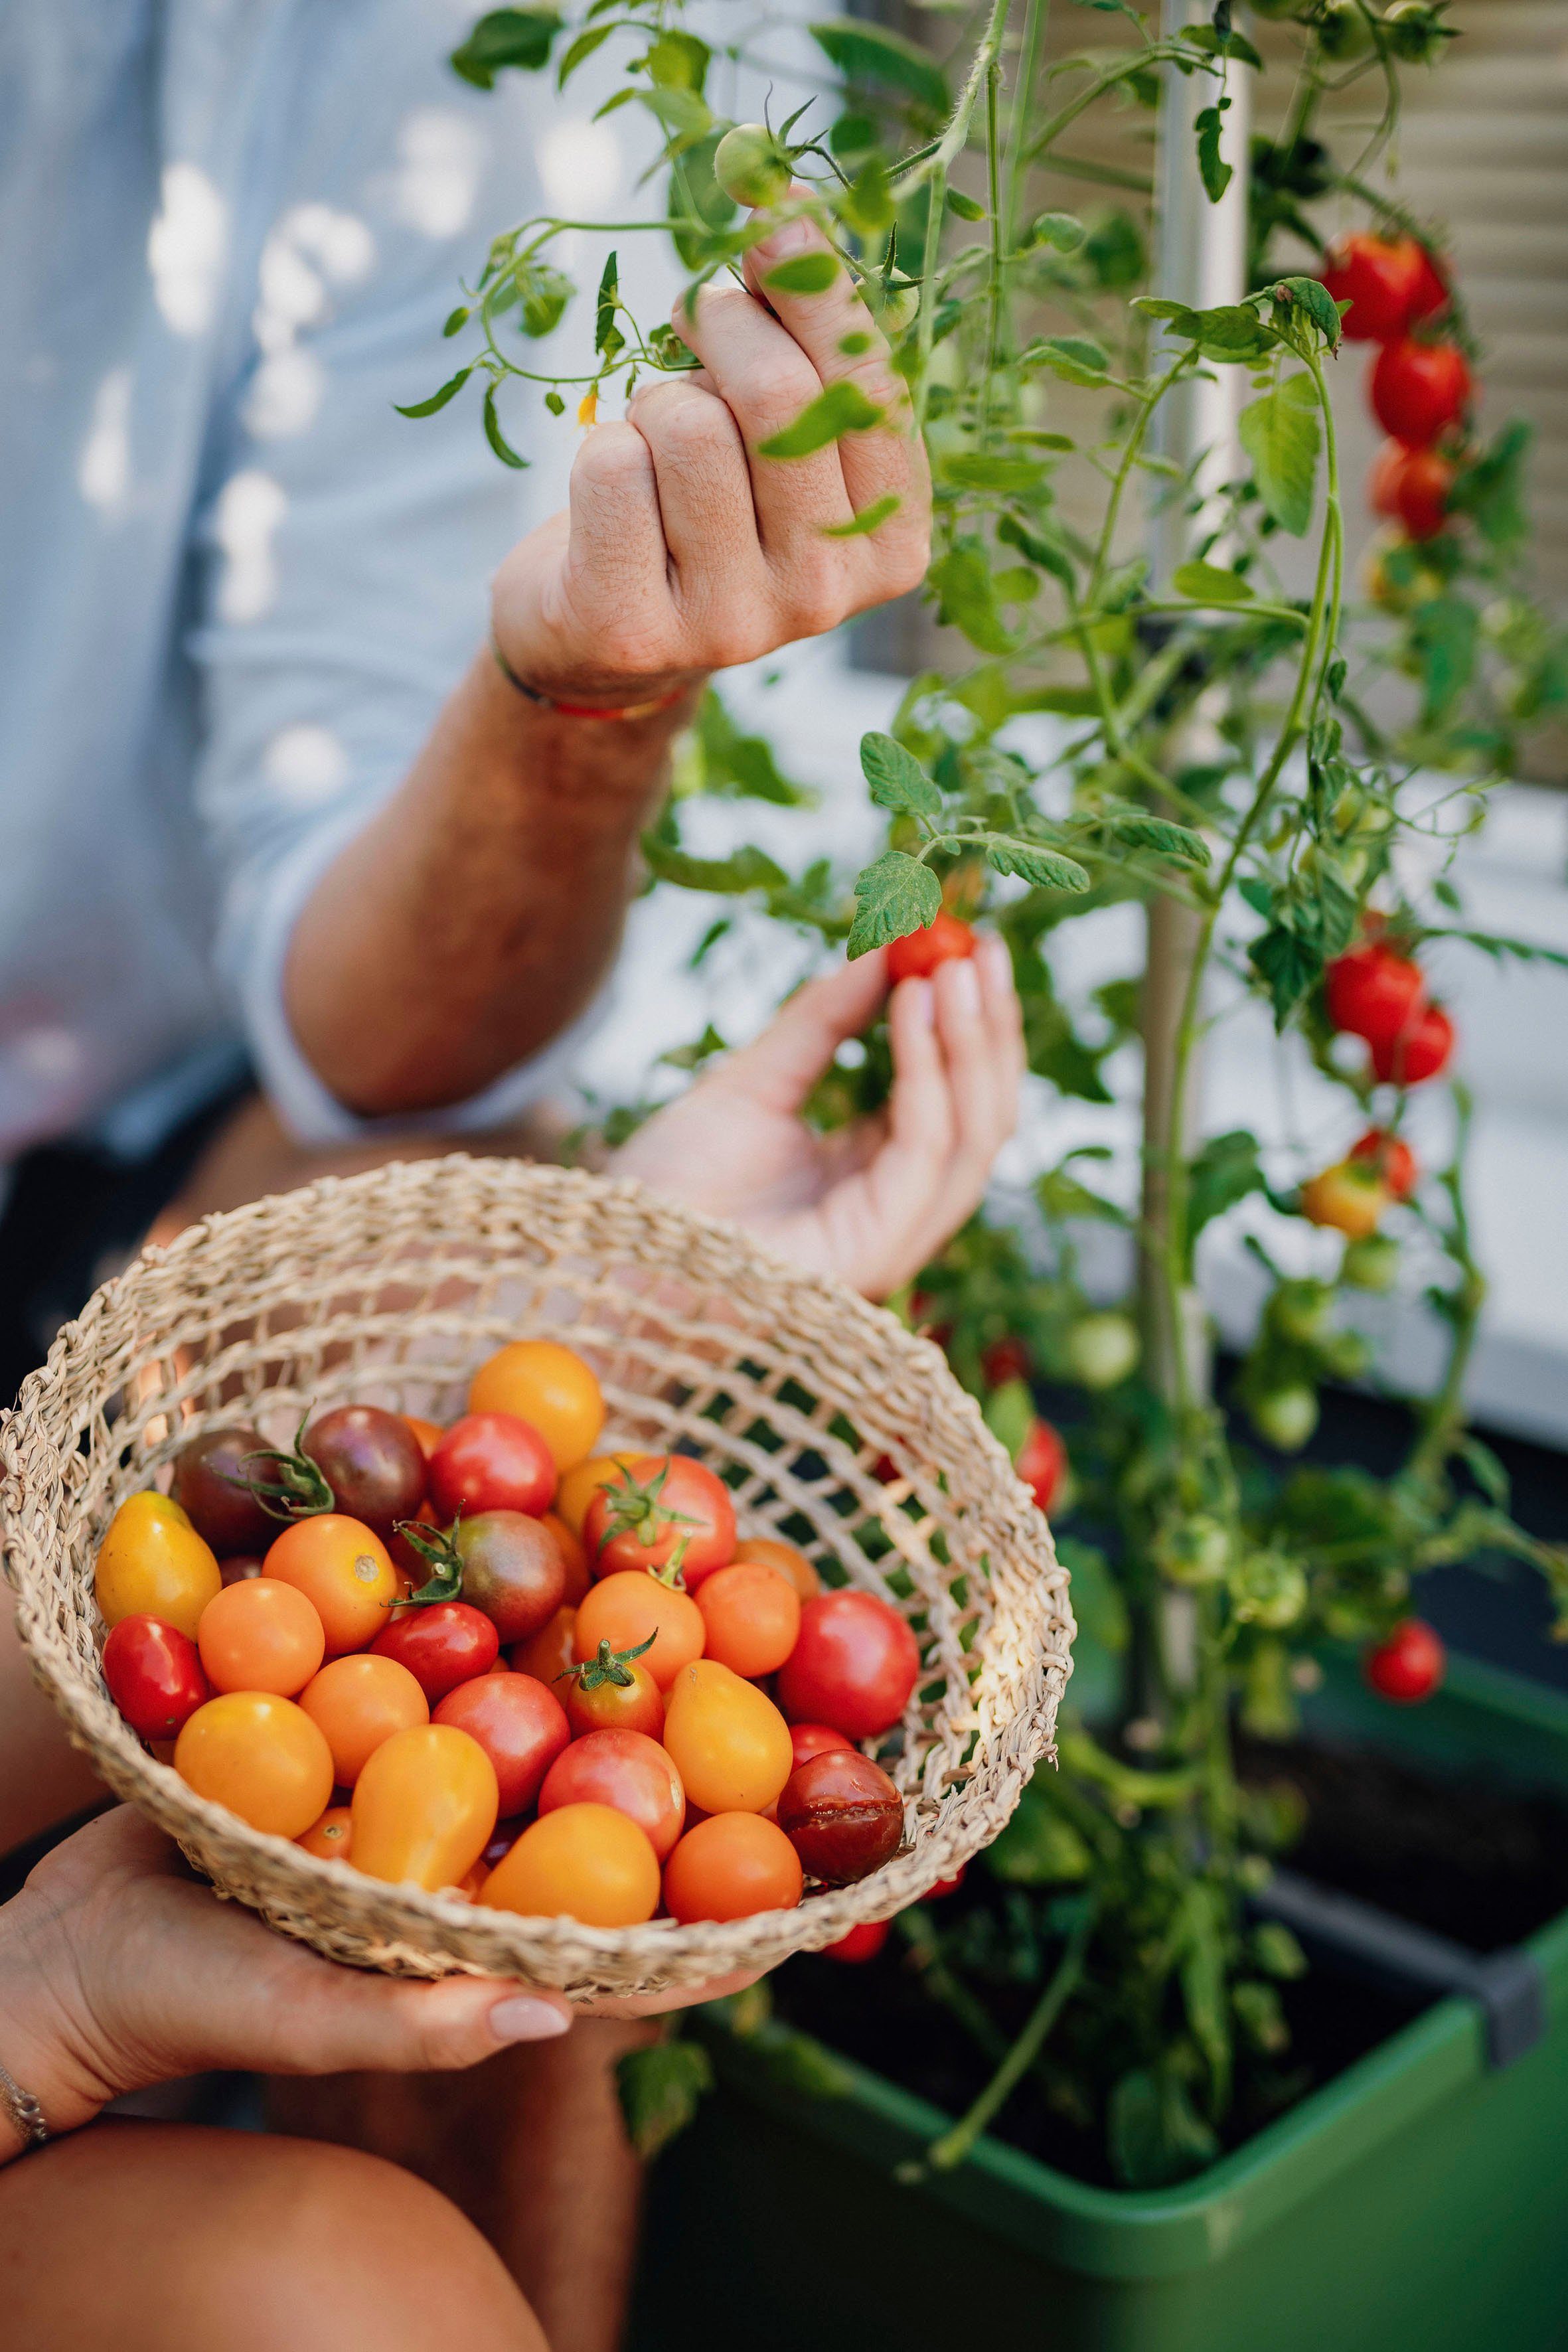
(390, 1287)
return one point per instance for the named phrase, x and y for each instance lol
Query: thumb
(779, 1069)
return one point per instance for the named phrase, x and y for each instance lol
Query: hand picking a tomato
(626, 1609)
(613, 1691)
(260, 1635)
(212, 1487)
(490, 1461)
(1420, 390)
(548, 1654)
(358, 1702)
(548, 1387)
(789, 1561)
(423, 1807)
(862, 1943)
(1349, 1196)
(1379, 277)
(1042, 1462)
(261, 1756)
(442, 1644)
(585, 1862)
(730, 1743)
(1408, 1667)
(331, 1838)
(751, 1617)
(843, 1816)
(344, 1570)
(582, 1481)
(625, 1769)
(521, 1725)
(661, 1504)
(1374, 993)
(1411, 486)
(154, 1676)
(1419, 1053)
(1392, 1158)
(854, 1666)
(152, 1563)
(813, 1740)
(730, 1867)
(946, 939)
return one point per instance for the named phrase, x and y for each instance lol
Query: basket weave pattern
(389, 1288)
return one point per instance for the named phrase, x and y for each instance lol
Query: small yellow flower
(588, 406)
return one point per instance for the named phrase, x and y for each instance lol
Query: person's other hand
(684, 550)
(873, 1201)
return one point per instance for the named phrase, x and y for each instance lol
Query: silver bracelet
(23, 2111)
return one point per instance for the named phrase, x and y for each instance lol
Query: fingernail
(522, 2018)
(995, 965)
(788, 238)
(964, 985)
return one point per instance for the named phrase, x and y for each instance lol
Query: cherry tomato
(544, 1383)
(154, 1676)
(211, 1485)
(1007, 1359)
(813, 1740)
(240, 1567)
(584, 1862)
(504, 1563)
(1418, 390)
(613, 1691)
(1102, 1348)
(548, 1654)
(358, 1702)
(627, 1771)
(423, 1807)
(1378, 277)
(946, 1885)
(1408, 1667)
(582, 1481)
(750, 1615)
(1042, 1462)
(1432, 292)
(661, 1504)
(730, 1867)
(331, 1838)
(344, 1568)
(785, 1557)
(442, 1643)
(573, 1558)
(842, 1815)
(730, 1745)
(625, 1610)
(1285, 1416)
(1419, 1053)
(862, 1943)
(152, 1563)
(521, 1725)
(854, 1666)
(1392, 1158)
(428, 1433)
(1411, 486)
(260, 1755)
(372, 1462)
(1374, 993)
(945, 940)
(1349, 1196)
(260, 1635)
(490, 1461)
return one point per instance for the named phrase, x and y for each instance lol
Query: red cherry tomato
(1374, 993)
(945, 940)
(651, 1509)
(1432, 290)
(491, 1461)
(862, 1943)
(1408, 1667)
(626, 1769)
(1418, 1053)
(946, 1885)
(1378, 277)
(1418, 390)
(842, 1815)
(521, 1725)
(1006, 1360)
(853, 1666)
(154, 1676)
(1411, 486)
(443, 1644)
(813, 1740)
(1391, 1157)
(1042, 1462)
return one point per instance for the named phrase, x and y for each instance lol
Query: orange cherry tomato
(331, 1838)
(260, 1635)
(730, 1745)
(624, 1610)
(546, 1384)
(425, 1807)
(358, 1702)
(579, 1485)
(428, 1433)
(613, 1691)
(731, 1866)
(570, 1546)
(262, 1756)
(152, 1563)
(584, 1862)
(751, 1614)
(548, 1654)
(791, 1564)
(343, 1569)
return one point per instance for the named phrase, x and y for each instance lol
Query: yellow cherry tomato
(423, 1807)
(1349, 1196)
(262, 1756)
(545, 1384)
(152, 1563)
(582, 1862)
(580, 1484)
(727, 1739)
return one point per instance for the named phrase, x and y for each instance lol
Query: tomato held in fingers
(423, 1807)
(861, 1944)
(548, 1387)
(331, 1838)
(1042, 1462)
(813, 1740)
(751, 1616)
(789, 1561)
(1378, 277)
(152, 1563)
(1408, 1667)
(659, 1505)
(261, 1756)
(1374, 993)
(442, 1646)
(584, 1862)
(633, 1609)
(854, 1666)
(730, 1745)
(154, 1676)
(1419, 1053)
(490, 1461)
(627, 1771)
(260, 1635)
(582, 1481)
(548, 1654)
(613, 1691)
(343, 1569)
(359, 1702)
(842, 1815)
(521, 1725)
(730, 1867)
(1418, 391)
(211, 1483)
(1411, 487)
(946, 939)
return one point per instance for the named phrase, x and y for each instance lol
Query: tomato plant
(854, 1666)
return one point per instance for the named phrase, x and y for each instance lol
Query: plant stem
(944, 2154)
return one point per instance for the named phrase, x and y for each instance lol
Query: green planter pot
(1416, 2203)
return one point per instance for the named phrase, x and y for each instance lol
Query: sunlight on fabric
(186, 247)
(250, 506)
(581, 168)
(436, 179)
(103, 469)
(306, 764)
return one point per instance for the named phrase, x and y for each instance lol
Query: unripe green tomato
(1271, 1590)
(1284, 1417)
(1194, 1551)
(1346, 1354)
(751, 166)
(1343, 32)
(1371, 1264)
(1101, 1349)
(1296, 1310)
(1413, 31)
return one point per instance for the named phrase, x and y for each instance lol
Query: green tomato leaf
(867, 53)
(967, 597)
(582, 48)
(1295, 299)
(894, 896)
(1215, 172)
(1225, 1171)
(1063, 232)
(679, 61)
(964, 207)
(1206, 583)
(803, 273)
(1047, 868)
(744, 869)
(496, 437)
(1280, 433)
(544, 293)
(866, 205)
(842, 408)
(660, 2089)
(1443, 633)
(1289, 966)
(868, 519)
(607, 337)
(1043, 549)
(1136, 831)
(456, 319)
(973, 469)
(507, 37)
(449, 391)
(897, 778)
(1072, 357)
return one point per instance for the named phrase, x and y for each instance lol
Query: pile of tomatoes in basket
(486, 1659)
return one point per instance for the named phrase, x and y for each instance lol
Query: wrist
(586, 693)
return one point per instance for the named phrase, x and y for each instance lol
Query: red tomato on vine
(1379, 277)
(1408, 1667)
(1420, 390)
(946, 939)
(1418, 1053)
(1411, 486)
(1372, 993)
(1391, 1157)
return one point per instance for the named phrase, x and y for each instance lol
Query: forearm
(476, 918)
(43, 1778)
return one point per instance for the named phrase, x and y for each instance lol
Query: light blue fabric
(234, 585)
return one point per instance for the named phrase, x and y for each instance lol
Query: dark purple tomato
(211, 1486)
(372, 1462)
(842, 1815)
(442, 1644)
(512, 1570)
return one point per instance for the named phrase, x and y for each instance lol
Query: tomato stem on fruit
(607, 1666)
(300, 1490)
(439, 1547)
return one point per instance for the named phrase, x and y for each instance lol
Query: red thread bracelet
(583, 710)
